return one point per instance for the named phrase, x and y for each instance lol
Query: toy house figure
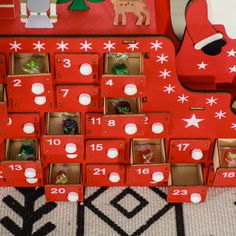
(208, 52)
(38, 16)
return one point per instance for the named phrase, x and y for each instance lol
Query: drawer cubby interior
(186, 175)
(132, 61)
(122, 106)
(55, 120)
(2, 93)
(147, 151)
(71, 171)
(225, 153)
(14, 147)
(22, 63)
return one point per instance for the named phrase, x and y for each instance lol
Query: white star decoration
(231, 53)
(165, 73)
(39, 46)
(233, 126)
(109, 45)
(133, 46)
(193, 121)
(202, 66)
(211, 101)
(86, 45)
(169, 89)
(220, 114)
(15, 46)
(156, 45)
(183, 99)
(232, 69)
(162, 58)
(62, 46)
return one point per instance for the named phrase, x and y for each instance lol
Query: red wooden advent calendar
(142, 114)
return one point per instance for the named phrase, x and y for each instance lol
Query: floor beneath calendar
(116, 211)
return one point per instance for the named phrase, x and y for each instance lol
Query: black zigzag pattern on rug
(89, 204)
(27, 213)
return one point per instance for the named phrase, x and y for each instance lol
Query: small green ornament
(31, 67)
(26, 152)
(61, 178)
(120, 69)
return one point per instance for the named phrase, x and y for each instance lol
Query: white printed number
(229, 174)
(183, 146)
(55, 142)
(58, 190)
(111, 123)
(15, 167)
(67, 63)
(96, 120)
(110, 82)
(17, 83)
(180, 192)
(65, 92)
(9, 122)
(98, 171)
(143, 171)
(96, 147)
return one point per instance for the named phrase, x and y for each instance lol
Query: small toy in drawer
(26, 152)
(230, 156)
(144, 153)
(122, 106)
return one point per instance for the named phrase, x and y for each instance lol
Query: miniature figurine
(61, 177)
(137, 7)
(146, 153)
(119, 67)
(122, 107)
(26, 152)
(31, 67)
(230, 157)
(70, 126)
(38, 17)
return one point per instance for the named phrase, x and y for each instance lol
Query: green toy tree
(77, 5)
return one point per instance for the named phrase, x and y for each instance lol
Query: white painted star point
(62, 46)
(85, 46)
(162, 58)
(39, 46)
(202, 66)
(193, 121)
(156, 45)
(15, 46)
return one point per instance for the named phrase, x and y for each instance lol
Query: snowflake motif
(86, 46)
(202, 66)
(162, 58)
(39, 46)
(220, 115)
(169, 89)
(232, 69)
(233, 126)
(15, 46)
(62, 46)
(133, 46)
(231, 53)
(211, 101)
(183, 99)
(109, 45)
(193, 121)
(156, 45)
(165, 74)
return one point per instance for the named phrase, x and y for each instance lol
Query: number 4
(110, 82)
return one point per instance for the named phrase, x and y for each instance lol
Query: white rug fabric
(117, 211)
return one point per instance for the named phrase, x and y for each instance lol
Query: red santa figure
(207, 57)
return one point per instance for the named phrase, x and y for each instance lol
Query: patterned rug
(116, 211)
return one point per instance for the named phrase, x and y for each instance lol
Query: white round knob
(131, 129)
(195, 198)
(86, 69)
(72, 156)
(112, 153)
(73, 197)
(197, 154)
(85, 99)
(28, 128)
(37, 88)
(70, 148)
(114, 177)
(40, 100)
(30, 173)
(157, 128)
(31, 180)
(130, 89)
(158, 176)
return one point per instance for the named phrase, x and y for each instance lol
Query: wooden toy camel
(137, 7)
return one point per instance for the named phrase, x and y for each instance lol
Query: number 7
(65, 91)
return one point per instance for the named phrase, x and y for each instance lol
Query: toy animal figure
(38, 9)
(208, 52)
(137, 7)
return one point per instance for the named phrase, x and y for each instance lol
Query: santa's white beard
(222, 12)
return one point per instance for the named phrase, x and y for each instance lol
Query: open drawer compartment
(63, 141)
(186, 184)
(22, 160)
(64, 183)
(148, 166)
(224, 159)
(3, 105)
